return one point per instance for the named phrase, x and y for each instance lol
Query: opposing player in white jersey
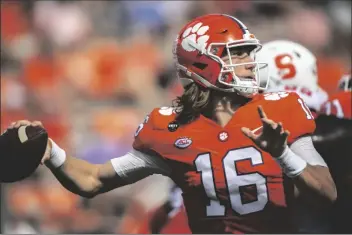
(293, 67)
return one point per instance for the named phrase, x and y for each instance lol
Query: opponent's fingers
(247, 132)
(261, 112)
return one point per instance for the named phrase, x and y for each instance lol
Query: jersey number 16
(234, 181)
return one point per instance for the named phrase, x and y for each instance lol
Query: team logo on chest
(223, 136)
(183, 142)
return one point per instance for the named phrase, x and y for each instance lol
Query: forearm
(78, 176)
(315, 186)
(82, 177)
(88, 180)
(309, 172)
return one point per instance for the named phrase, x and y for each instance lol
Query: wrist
(280, 153)
(291, 164)
(57, 156)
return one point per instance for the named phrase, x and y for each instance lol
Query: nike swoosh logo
(256, 129)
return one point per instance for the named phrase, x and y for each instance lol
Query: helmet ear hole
(200, 66)
(215, 50)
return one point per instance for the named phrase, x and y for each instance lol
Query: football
(21, 152)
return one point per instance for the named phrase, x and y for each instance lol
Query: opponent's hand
(272, 139)
(34, 123)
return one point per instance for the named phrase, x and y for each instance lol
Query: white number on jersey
(234, 182)
(336, 104)
(305, 109)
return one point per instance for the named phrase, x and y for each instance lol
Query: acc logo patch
(183, 142)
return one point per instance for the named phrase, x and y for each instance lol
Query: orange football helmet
(200, 46)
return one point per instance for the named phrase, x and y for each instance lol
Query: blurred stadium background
(91, 71)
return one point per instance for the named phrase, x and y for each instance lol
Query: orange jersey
(313, 98)
(229, 185)
(339, 104)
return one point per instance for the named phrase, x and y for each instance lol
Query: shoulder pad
(290, 109)
(161, 117)
(273, 96)
(312, 97)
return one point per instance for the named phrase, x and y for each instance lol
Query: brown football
(21, 150)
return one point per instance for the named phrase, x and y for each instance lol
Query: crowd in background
(91, 71)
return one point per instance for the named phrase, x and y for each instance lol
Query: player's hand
(34, 123)
(272, 139)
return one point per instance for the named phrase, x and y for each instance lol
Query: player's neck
(225, 107)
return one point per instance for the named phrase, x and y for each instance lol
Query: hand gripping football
(21, 150)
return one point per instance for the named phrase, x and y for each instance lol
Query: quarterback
(238, 156)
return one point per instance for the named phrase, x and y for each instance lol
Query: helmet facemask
(245, 86)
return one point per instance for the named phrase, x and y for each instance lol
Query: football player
(293, 68)
(238, 156)
(333, 138)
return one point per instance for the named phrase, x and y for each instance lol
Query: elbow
(82, 191)
(330, 196)
(89, 194)
(91, 188)
(331, 191)
(326, 199)
(333, 194)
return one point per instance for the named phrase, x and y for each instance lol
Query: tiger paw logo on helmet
(196, 35)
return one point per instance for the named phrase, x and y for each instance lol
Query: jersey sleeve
(304, 148)
(142, 141)
(151, 135)
(298, 120)
(136, 165)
